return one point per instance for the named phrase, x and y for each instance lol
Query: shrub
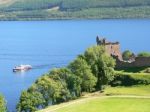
(144, 54)
(125, 79)
(127, 55)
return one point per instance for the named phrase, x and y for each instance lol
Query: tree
(2, 104)
(80, 68)
(144, 54)
(61, 75)
(74, 85)
(49, 88)
(93, 69)
(30, 101)
(127, 55)
(102, 65)
(70, 82)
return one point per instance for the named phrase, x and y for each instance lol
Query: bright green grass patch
(108, 105)
(132, 90)
(133, 69)
(131, 73)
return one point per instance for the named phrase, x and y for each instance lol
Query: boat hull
(22, 68)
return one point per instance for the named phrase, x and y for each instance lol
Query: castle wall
(139, 62)
(114, 49)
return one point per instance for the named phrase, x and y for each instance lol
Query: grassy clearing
(133, 90)
(106, 105)
(95, 102)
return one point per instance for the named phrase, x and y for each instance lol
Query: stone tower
(112, 48)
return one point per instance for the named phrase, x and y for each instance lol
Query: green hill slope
(68, 9)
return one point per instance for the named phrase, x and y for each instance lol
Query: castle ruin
(113, 49)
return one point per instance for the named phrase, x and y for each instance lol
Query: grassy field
(124, 99)
(114, 99)
(106, 105)
(133, 90)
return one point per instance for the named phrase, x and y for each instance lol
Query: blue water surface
(49, 44)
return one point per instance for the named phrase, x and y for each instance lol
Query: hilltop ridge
(73, 9)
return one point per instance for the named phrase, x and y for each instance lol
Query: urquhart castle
(113, 49)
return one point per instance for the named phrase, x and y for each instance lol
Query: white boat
(22, 68)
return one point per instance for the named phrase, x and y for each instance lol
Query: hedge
(129, 79)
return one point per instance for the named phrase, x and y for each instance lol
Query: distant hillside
(73, 9)
(5, 1)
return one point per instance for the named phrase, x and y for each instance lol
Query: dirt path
(89, 98)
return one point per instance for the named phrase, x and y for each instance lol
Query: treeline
(92, 13)
(89, 72)
(71, 5)
(82, 4)
(75, 9)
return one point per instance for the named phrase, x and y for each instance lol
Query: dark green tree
(49, 88)
(80, 68)
(71, 83)
(61, 75)
(74, 85)
(30, 101)
(102, 65)
(2, 104)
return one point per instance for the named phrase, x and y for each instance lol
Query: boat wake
(54, 65)
(25, 68)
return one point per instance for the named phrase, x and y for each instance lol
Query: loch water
(53, 44)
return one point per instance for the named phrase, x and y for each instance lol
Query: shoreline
(74, 19)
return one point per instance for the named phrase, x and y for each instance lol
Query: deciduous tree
(30, 101)
(80, 68)
(102, 65)
(127, 55)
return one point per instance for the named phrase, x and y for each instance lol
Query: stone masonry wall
(139, 62)
(114, 49)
